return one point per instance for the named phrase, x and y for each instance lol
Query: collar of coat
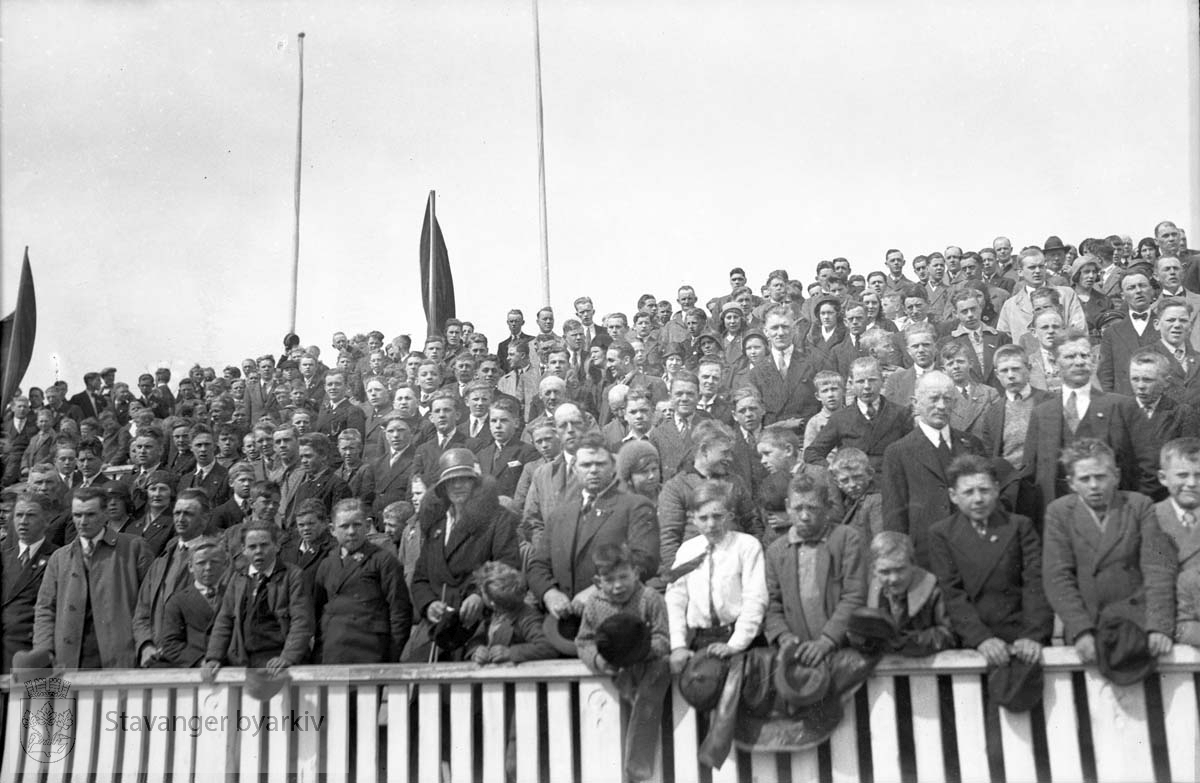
(920, 589)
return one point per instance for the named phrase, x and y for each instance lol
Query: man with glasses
(1017, 313)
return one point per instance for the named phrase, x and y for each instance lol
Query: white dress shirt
(738, 595)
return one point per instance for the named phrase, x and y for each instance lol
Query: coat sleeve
(1060, 576)
(143, 623)
(505, 547)
(1160, 565)
(854, 587)
(672, 518)
(893, 487)
(1105, 370)
(222, 632)
(826, 440)
(644, 537)
(964, 618)
(298, 644)
(46, 610)
(422, 594)
(677, 602)
(774, 623)
(174, 633)
(400, 611)
(935, 637)
(540, 571)
(1037, 621)
(656, 618)
(534, 645)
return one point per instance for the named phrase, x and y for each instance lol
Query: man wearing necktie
(914, 482)
(1179, 514)
(85, 605)
(1174, 319)
(24, 565)
(169, 574)
(1120, 340)
(189, 613)
(784, 383)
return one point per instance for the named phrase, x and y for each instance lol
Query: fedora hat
(456, 463)
(31, 664)
(799, 685)
(262, 685)
(1123, 651)
(623, 640)
(1016, 686)
(1053, 244)
(848, 670)
(561, 632)
(702, 679)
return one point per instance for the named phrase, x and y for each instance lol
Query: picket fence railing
(915, 720)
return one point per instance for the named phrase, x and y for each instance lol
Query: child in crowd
(624, 633)
(851, 471)
(910, 594)
(719, 596)
(189, 613)
(831, 393)
(400, 523)
(1178, 516)
(512, 629)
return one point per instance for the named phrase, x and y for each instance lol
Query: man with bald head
(915, 481)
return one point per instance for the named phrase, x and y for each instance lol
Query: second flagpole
(545, 240)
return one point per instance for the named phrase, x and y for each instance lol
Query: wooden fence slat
(968, 728)
(560, 728)
(601, 746)
(1016, 737)
(1062, 726)
(762, 768)
(279, 743)
(308, 743)
(249, 721)
(843, 746)
(927, 728)
(57, 772)
(84, 750)
(730, 771)
(529, 739)
(183, 758)
(684, 739)
(366, 758)
(135, 741)
(397, 733)
(429, 732)
(885, 743)
(14, 754)
(107, 748)
(334, 765)
(1120, 732)
(495, 732)
(215, 747)
(461, 734)
(806, 766)
(1183, 730)
(161, 743)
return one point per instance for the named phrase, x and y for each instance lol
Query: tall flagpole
(299, 156)
(545, 240)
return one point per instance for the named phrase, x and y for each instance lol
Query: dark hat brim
(262, 686)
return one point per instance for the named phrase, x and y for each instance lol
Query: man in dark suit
(673, 437)
(390, 475)
(1079, 411)
(920, 340)
(561, 567)
(915, 479)
(1174, 323)
(89, 401)
(169, 574)
(783, 379)
(842, 354)
(20, 425)
(1120, 340)
(189, 614)
(208, 474)
(55, 401)
(1149, 371)
(320, 481)
(1126, 562)
(375, 411)
(981, 339)
(620, 366)
(24, 565)
(989, 565)
(312, 541)
(871, 424)
(586, 312)
(443, 412)
(516, 322)
(237, 508)
(337, 411)
(505, 457)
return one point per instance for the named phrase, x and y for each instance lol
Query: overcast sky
(148, 152)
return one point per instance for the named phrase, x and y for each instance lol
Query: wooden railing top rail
(1181, 660)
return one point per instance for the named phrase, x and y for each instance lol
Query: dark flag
(17, 331)
(437, 284)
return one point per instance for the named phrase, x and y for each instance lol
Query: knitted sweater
(649, 605)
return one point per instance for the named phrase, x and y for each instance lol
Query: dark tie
(588, 502)
(246, 508)
(260, 587)
(713, 617)
(210, 595)
(1071, 412)
(1143, 317)
(24, 558)
(943, 450)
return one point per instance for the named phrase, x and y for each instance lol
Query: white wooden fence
(916, 719)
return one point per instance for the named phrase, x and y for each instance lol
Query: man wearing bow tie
(24, 565)
(1120, 340)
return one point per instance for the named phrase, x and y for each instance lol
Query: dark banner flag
(437, 284)
(17, 331)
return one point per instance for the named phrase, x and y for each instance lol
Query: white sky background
(148, 151)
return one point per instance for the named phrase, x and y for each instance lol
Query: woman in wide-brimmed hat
(463, 526)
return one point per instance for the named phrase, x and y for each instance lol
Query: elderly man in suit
(1017, 313)
(673, 436)
(189, 614)
(506, 455)
(871, 423)
(1103, 551)
(169, 574)
(391, 473)
(1079, 411)
(783, 379)
(88, 595)
(920, 340)
(23, 567)
(561, 570)
(989, 565)
(816, 575)
(976, 397)
(1120, 340)
(915, 480)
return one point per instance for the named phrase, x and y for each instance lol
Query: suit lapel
(352, 564)
(1186, 539)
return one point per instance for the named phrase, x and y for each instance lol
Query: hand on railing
(995, 650)
(1159, 643)
(1085, 645)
